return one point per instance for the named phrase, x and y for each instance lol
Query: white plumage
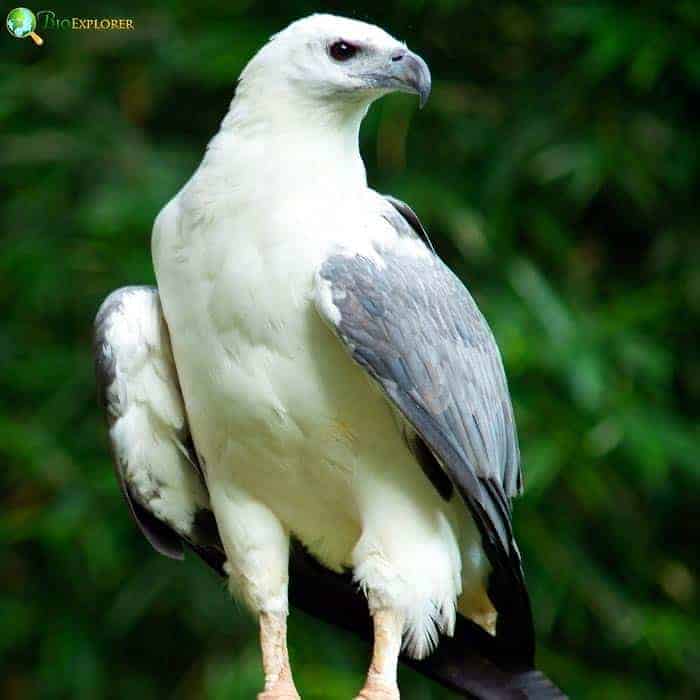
(149, 422)
(293, 437)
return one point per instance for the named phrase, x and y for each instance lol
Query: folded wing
(155, 463)
(411, 324)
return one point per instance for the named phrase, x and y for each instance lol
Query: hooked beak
(406, 72)
(412, 73)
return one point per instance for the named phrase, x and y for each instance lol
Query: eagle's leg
(279, 684)
(257, 552)
(381, 678)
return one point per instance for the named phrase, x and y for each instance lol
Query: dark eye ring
(342, 50)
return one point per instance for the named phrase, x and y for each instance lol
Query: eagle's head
(338, 61)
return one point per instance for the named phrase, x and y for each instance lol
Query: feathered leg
(381, 678)
(257, 551)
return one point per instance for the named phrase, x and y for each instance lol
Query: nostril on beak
(398, 56)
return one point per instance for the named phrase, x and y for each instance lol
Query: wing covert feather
(413, 326)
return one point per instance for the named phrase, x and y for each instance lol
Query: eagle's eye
(342, 50)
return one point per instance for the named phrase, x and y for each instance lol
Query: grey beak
(411, 74)
(406, 71)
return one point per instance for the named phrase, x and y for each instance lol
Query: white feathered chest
(274, 403)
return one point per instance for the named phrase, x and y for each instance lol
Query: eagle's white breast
(293, 436)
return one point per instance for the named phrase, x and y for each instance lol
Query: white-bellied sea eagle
(311, 400)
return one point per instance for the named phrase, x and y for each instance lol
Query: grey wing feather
(414, 327)
(155, 461)
(424, 332)
(313, 588)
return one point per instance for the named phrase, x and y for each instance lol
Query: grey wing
(414, 327)
(154, 459)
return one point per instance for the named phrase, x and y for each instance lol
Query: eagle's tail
(472, 662)
(535, 684)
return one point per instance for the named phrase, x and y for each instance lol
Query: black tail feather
(515, 630)
(472, 662)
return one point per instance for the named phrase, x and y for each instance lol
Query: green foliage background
(557, 167)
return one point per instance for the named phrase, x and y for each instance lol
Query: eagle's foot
(282, 690)
(376, 688)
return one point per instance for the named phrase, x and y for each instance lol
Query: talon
(377, 689)
(378, 695)
(280, 693)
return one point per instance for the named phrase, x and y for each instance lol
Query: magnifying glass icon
(21, 23)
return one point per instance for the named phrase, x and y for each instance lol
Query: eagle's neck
(285, 138)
